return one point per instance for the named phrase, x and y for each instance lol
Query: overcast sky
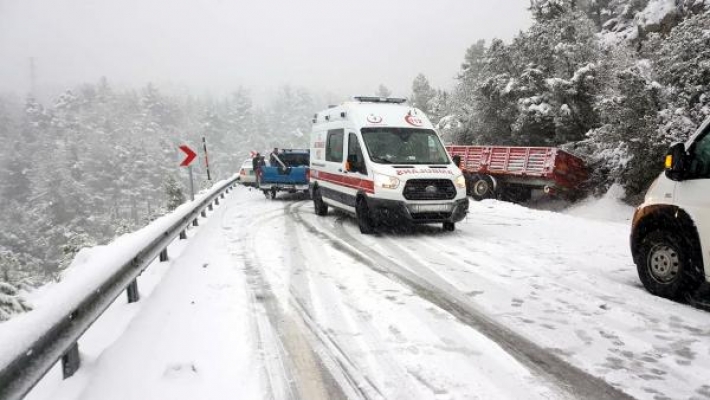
(342, 47)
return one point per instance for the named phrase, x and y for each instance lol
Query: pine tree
(422, 94)
(174, 193)
(383, 91)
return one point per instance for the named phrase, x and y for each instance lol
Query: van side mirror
(676, 162)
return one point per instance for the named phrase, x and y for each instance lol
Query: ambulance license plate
(421, 208)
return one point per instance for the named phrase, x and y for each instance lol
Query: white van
(381, 160)
(670, 238)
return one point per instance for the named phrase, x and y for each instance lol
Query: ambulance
(380, 160)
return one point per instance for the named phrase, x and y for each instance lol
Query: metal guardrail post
(216, 201)
(71, 361)
(164, 255)
(203, 214)
(132, 292)
(195, 222)
(209, 207)
(183, 235)
(221, 196)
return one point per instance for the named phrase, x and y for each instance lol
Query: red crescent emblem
(412, 120)
(374, 119)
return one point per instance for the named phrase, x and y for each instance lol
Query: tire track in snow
(568, 378)
(279, 381)
(384, 364)
(313, 364)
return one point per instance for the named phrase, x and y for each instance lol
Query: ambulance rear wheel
(364, 221)
(449, 226)
(318, 203)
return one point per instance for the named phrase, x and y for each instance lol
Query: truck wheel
(364, 221)
(273, 193)
(664, 266)
(482, 188)
(318, 204)
(266, 193)
(449, 226)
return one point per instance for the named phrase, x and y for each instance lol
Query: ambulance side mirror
(676, 162)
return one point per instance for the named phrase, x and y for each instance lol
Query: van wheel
(482, 188)
(318, 203)
(664, 265)
(364, 221)
(449, 226)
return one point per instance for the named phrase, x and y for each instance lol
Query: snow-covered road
(267, 300)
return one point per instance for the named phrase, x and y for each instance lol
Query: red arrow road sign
(190, 155)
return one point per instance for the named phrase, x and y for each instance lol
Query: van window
(334, 146)
(700, 166)
(354, 150)
(404, 146)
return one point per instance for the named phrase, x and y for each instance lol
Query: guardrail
(59, 341)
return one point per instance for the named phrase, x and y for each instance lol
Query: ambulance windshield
(404, 146)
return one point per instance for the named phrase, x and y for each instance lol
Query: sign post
(189, 158)
(207, 161)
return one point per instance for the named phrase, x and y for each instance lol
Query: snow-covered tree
(422, 94)
(11, 302)
(383, 91)
(174, 193)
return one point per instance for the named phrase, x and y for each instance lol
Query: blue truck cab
(287, 171)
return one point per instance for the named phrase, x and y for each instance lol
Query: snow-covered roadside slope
(190, 336)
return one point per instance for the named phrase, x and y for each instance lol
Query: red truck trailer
(512, 173)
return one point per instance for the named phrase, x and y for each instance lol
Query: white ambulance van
(670, 236)
(381, 160)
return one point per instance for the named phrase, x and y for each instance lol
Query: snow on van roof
(389, 113)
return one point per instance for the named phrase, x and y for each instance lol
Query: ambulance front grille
(429, 189)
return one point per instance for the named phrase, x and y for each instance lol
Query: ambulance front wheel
(449, 226)
(364, 220)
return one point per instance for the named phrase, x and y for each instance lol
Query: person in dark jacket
(255, 167)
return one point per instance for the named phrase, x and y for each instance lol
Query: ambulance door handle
(340, 170)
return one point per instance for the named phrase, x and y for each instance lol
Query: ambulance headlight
(460, 182)
(386, 181)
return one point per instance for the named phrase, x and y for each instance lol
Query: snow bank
(90, 268)
(606, 208)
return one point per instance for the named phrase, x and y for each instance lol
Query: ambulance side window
(355, 157)
(334, 146)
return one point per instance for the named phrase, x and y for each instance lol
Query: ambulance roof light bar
(372, 99)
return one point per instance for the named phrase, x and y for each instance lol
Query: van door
(693, 193)
(332, 176)
(358, 174)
